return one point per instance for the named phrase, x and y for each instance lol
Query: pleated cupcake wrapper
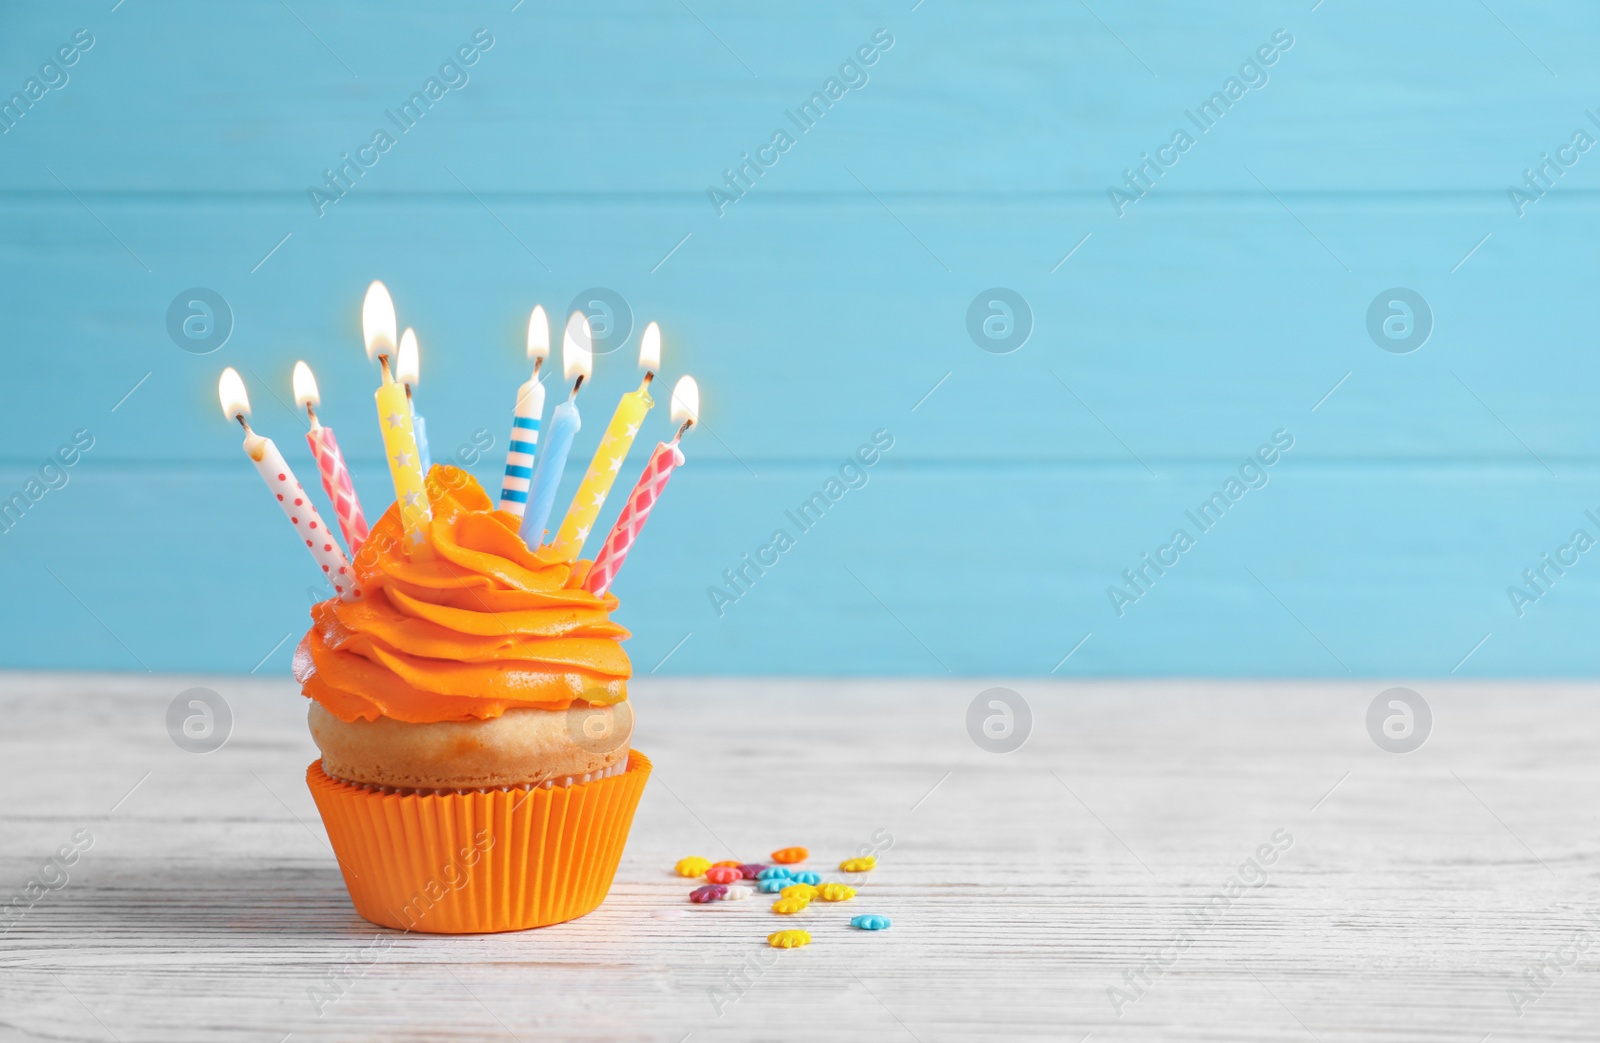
(482, 861)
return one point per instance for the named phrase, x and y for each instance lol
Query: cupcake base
(481, 861)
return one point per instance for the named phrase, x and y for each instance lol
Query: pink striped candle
(296, 505)
(642, 500)
(630, 523)
(330, 462)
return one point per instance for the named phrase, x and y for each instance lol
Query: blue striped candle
(524, 441)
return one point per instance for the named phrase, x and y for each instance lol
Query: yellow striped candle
(613, 450)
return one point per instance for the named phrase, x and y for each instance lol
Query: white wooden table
(1417, 890)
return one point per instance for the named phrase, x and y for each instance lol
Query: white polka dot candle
(296, 505)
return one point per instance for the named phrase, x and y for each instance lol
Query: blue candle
(408, 370)
(552, 460)
(419, 428)
(577, 360)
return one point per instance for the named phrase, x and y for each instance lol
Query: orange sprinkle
(790, 855)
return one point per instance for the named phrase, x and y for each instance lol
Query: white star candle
(525, 423)
(607, 462)
(408, 371)
(577, 360)
(296, 505)
(394, 419)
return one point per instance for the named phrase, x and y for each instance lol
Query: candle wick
(575, 386)
(686, 425)
(649, 375)
(383, 360)
(312, 413)
(243, 423)
(537, 362)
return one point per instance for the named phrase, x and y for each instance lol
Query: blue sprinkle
(807, 877)
(870, 922)
(774, 873)
(775, 885)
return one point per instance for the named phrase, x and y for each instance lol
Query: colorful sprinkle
(691, 867)
(774, 886)
(786, 906)
(708, 893)
(836, 892)
(751, 871)
(737, 893)
(858, 865)
(731, 862)
(790, 855)
(788, 939)
(774, 873)
(806, 876)
(870, 922)
(723, 875)
(805, 891)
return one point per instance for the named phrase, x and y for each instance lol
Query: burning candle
(274, 470)
(525, 424)
(666, 459)
(407, 370)
(577, 361)
(613, 449)
(330, 462)
(394, 418)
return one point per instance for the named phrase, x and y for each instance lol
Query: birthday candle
(394, 419)
(613, 449)
(525, 423)
(577, 360)
(408, 370)
(330, 462)
(642, 500)
(274, 470)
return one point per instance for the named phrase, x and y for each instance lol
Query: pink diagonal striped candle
(635, 512)
(330, 462)
(336, 483)
(642, 500)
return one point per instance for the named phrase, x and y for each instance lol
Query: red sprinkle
(723, 874)
(708, 893)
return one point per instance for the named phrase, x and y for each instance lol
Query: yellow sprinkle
(858, 865)
(835, 893)
(788, 939)
(693, 867)
(790, 905)
(805, 891)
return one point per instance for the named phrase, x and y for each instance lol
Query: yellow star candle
(394, 419)
(613, 450)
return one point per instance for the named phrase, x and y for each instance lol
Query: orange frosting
(487, 626)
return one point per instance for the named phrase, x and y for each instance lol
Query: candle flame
(650, 349)
(538, 334)
(577, 348)
(230, 389)
(408, 367)
(377, 320)
(686, 401)
(305, 387)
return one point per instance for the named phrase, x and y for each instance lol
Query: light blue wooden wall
(1178, 337)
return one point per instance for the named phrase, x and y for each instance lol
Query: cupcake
(471, 710)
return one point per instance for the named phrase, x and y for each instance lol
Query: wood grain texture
(830, 302)
(1415, 893)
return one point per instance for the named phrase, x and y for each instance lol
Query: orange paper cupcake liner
(471, 863)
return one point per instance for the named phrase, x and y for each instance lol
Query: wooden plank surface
(1416, 890)
(830, 302)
